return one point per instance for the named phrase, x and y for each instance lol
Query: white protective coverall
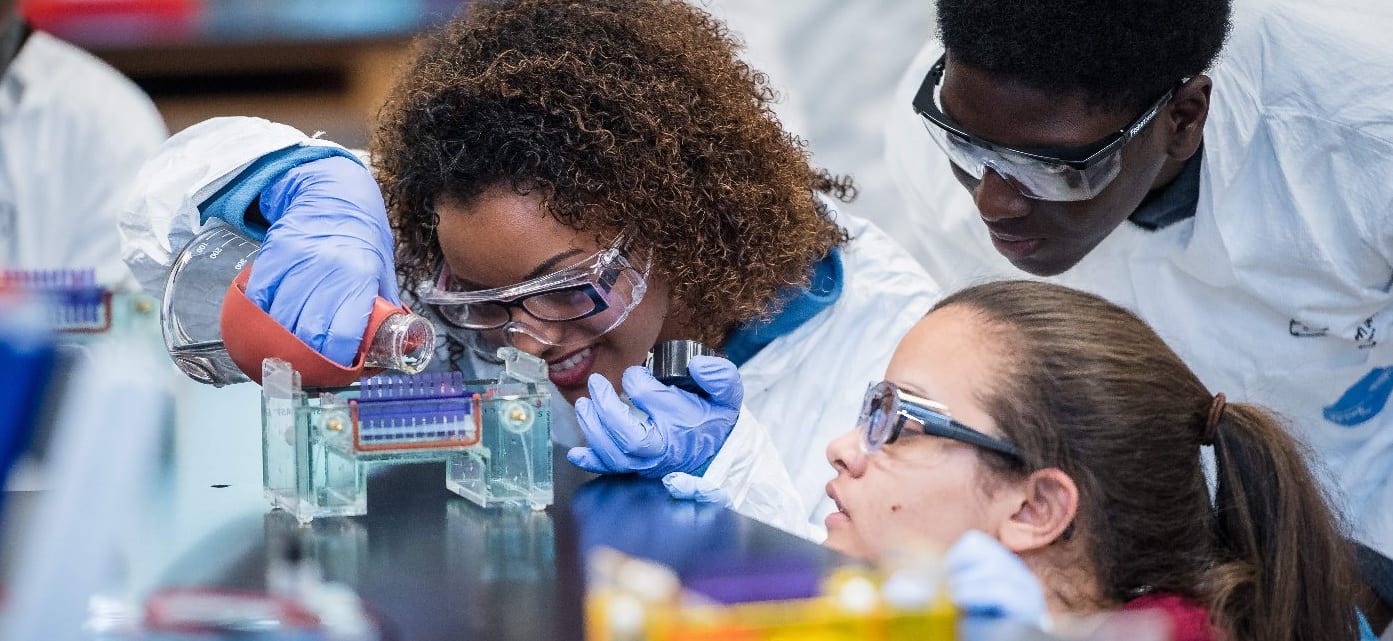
(1277, 290)
(73, 134)
(801, 390)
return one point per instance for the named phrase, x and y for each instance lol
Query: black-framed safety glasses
(1061, 174)
(887, 408)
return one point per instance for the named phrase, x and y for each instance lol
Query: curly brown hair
(627, 116)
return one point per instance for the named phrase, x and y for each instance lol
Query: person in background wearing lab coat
(580, 180)
(1047, 421)
(73, 134)
(1221, 171)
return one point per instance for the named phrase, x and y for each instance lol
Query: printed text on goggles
(887, 407)
(565, 308)
(1060, 174)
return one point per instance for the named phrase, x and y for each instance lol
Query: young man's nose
(846, 453)
(998, 199)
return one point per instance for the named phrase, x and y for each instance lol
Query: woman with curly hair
(583, 180)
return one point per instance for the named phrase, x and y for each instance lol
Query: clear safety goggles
(566, 308)
(887, 408)
(1058, 174)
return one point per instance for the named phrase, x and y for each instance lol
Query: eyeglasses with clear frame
(571, 306)
(1059, 174)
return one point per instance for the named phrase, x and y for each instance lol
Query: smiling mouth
(572, 369)
(571, 361)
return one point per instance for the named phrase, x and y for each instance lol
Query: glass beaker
(191, 313)
(191, 310)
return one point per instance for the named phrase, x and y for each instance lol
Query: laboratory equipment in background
(72, 551)
(299, 603)
(668, 362)
(72, 314)
(28, 357)
(44, 13)
(494, 436)
(218, 336)
(74, 305)
(632, 599)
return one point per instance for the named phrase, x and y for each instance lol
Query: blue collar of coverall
(1174, 202)
(799, 305)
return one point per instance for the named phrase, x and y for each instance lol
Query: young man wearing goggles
(1221, 170)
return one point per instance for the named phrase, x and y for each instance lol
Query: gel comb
(430, 410)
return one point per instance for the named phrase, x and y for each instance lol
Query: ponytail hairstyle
(1090, 389)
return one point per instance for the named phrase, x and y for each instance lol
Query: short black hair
(1120, 54)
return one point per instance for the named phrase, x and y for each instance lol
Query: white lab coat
(1277, 291)
(73, 133)
(834, 64)
(801, 390)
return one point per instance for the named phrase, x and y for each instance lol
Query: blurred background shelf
(318, 65)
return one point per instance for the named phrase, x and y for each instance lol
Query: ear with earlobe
(1186, 115)
(1047, 502)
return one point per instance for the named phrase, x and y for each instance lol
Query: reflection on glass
(637, 517)
(500, 546)
(338, 546)
(505, 562)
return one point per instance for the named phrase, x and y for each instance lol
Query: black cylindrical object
(668, 362)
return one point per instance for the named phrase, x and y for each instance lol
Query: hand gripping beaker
(216, 335)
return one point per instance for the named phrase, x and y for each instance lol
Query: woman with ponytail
(1064, 428)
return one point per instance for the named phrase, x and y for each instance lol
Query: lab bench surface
(429, 564)
(436, 566)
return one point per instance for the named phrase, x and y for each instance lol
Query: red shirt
(1189, 621)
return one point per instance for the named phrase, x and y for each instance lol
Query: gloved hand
(987, 580)
(327, 255)
(686, 487)
(681, 432)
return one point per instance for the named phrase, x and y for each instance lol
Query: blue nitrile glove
(684, 486)
(327, 255)
(681, 432)
(987, 580)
